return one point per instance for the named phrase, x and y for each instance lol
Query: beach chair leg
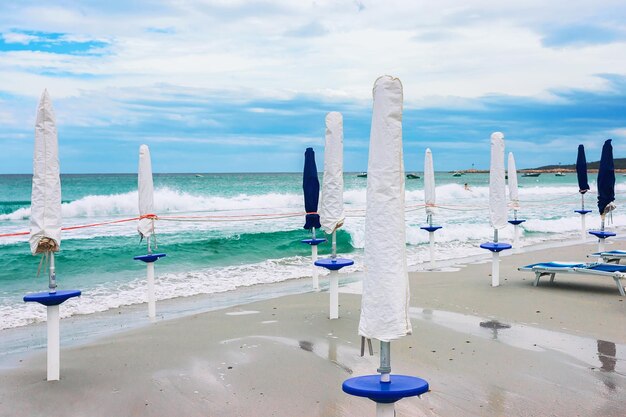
(619, 286)
(537, 276)
(552, 278)
(369, 346)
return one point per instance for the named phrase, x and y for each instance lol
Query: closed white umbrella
(45, 224)
(429, 199)
(145, 227)
(385, 300)
(497, 204)
(497, 186)
(429, 182)
(145, 189)
(384, 306)
(45, 217)
(514, 198)
(331, 206)
(513, 191)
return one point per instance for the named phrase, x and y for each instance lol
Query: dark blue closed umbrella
(606, 177)
(581, 170)
(311, 187)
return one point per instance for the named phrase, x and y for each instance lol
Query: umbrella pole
(151, 291)
(515, 231)
(314, 273)
(54, 357)
(385, 409)
(431, 242)
(601, 240)
(151, 285)
(583, 227)
(334, 282)
(495, 263)
(53, 343)
(52, 277)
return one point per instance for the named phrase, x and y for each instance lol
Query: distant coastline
(537, 171)
(592, 167)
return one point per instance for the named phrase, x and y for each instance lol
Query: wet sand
(514, 350)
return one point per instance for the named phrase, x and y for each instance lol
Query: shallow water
(225, 253)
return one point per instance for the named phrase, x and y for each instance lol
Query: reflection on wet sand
(607, 352)
(494, 325)
(530, 338)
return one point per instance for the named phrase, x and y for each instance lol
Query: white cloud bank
(328, 48)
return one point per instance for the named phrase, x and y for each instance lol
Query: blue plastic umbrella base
(151, 257)
(51, 298)
(601, 234)
(334, 264)
(370, 386)
(496, 246)
(432, 228)
(313, 242)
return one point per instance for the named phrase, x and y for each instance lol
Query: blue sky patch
(56, 43)
(581, 34)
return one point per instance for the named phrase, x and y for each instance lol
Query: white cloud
(437, 49)
(16, 37)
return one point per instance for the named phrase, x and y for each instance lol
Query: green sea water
(228, 245)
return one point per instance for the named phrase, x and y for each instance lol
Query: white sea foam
(463, 215)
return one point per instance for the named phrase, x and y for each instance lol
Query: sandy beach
(514, 350)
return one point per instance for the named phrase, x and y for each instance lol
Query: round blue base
(369, 386)
(582, 211)
(51, 298)
(313, 242)
(517, 221)
(601, 234)
(151, 257)
(496, 246)
(334, 264)
(432, 228)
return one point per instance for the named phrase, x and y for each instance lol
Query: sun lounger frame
(542, 271)
(610, 256)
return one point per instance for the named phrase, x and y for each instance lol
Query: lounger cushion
(608, 268)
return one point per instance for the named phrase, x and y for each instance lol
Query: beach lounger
(617, 272)
(612, 256)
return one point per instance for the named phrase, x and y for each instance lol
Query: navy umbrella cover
(311, 188)
(606, 177)
(581, 170)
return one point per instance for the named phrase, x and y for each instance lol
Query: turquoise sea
(226, 231)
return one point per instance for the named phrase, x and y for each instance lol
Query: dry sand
(514, 350)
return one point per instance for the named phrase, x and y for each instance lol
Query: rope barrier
(84, 226)
(352, 212)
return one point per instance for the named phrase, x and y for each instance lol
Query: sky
(244, 86)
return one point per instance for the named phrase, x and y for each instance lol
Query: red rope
(83, 226)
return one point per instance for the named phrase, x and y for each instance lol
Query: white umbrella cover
(497, 185)
(331, 205)
(513, 191)
(384, 305)
(146, 192)
(429, 182)
(45, 217)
